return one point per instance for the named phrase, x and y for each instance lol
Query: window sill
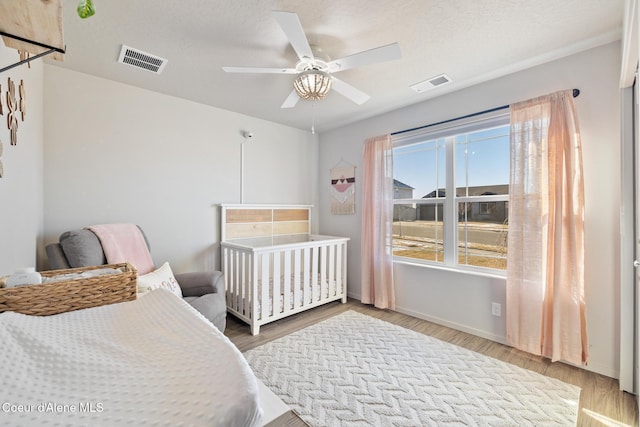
(493, 274)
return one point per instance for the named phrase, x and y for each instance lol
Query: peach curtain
(377, 218)
(545, 274)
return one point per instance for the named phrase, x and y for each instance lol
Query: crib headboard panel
(246, 221)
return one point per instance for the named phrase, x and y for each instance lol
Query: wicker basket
(69, 295)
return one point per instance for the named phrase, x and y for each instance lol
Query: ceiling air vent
(139, 59)
(431, 83)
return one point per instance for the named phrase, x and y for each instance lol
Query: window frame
(451, 223)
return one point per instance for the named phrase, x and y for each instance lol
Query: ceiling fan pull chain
(313, 117)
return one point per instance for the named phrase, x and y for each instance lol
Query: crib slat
(324, 265)
(314, 274)
(344, 273)
(234, 282)
(286, 282)
(331, 280)
(241, 281)
(255, 296)
(227, 279)
(276, 262)
(234, 278)
(297, 277)
(338, 281)
(307, 276)
(247, 295)
(265, 265)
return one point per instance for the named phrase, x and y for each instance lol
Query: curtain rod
(576, 92)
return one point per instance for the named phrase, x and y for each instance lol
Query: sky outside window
(482, 158)
(416, 166)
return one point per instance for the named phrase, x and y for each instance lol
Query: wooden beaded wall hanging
(12, 106)
(23, 105)
(24, 55)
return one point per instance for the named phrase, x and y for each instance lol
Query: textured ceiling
(469, 40)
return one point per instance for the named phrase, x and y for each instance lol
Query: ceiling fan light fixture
(313, 84)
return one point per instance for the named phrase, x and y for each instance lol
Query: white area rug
(355, 370)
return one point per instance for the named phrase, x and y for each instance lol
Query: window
(486, 208)
(451, 194)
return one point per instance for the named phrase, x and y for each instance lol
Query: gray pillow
(82, 248)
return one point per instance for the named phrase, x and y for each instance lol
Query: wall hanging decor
(24, 57)
(23, 105)
(343, 188)
(12, 106)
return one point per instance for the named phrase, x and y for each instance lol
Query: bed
(151, 361)
(274, 267)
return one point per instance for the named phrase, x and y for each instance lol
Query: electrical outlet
(496, 309)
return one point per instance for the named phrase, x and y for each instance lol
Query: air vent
(431, 83)
(139, 59)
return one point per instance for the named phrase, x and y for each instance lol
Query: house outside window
(451, 194)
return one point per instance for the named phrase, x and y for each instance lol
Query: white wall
(117, 153)
(21, 215)
(464, 301)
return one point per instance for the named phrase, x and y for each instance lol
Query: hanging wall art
(24, 55)
(343, 189)
(12, 106)
(23, 105)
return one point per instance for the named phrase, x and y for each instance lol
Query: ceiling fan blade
(290, 24)
(291, 100)
(260, 70)
(389, 52)
(349, 91)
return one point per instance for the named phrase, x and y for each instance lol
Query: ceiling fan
(315, 75)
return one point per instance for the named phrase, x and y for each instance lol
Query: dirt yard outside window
(479, 244)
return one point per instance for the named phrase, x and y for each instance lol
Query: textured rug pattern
(355, 370)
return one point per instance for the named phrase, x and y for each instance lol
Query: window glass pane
(482, 162)
(419, 170)
(418, 231)
(483, 243)
(477, 217)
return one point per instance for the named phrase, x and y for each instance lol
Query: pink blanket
(124, 243)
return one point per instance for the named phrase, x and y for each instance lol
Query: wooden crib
(273, 267)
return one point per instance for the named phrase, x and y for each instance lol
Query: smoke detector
(143, 60)
(431, 83)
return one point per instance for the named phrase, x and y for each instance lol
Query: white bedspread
(153, 361)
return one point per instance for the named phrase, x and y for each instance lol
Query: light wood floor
(601, 401)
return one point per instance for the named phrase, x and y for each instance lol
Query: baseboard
(453, 325)
(354, 296)
(598, 368)
(443, 322)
